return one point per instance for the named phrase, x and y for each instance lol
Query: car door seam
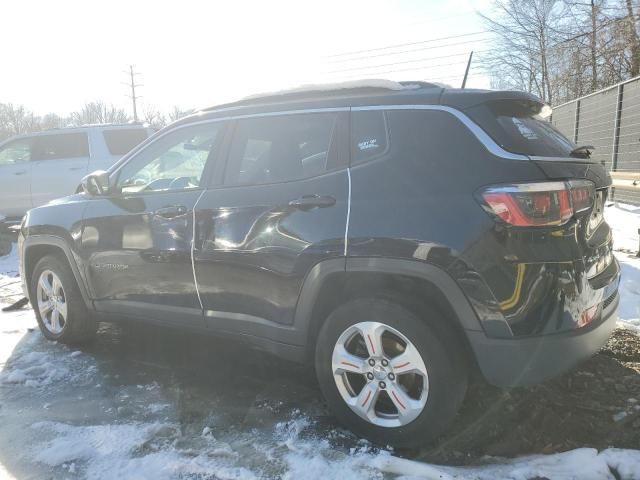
(346, 229)
(193, 248)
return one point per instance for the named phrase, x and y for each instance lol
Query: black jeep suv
(401, 238)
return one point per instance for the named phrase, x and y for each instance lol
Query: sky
(194, 53)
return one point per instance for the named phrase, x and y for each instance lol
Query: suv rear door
(59, 161)
(279, 208)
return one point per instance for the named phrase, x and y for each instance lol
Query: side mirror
(96, 183)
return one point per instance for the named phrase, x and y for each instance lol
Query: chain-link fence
(610, 121)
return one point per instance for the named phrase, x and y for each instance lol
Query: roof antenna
(466, 72)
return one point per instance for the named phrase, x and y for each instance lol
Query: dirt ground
(596, 405)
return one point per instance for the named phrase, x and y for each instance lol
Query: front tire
(58, 303)
(388, 374)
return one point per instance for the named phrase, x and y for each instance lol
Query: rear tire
(56, 299)
(411, 369)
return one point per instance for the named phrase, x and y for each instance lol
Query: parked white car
(40, 167)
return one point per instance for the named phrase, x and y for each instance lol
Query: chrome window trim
(484, 138)
(542, 158)
(480, 134)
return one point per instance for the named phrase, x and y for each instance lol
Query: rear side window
(517, 127)
(63, 145)
(280, 149)
(17, 151)
(121, 141)
(369, 137)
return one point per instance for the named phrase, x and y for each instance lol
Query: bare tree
(525, 32)
(562, 49)
(177, 113)
(17, 120)
(152, 116)
(634, 39)
(52, 120)
(98, 112)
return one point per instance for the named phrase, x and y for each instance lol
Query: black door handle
(307, 202)
(171, 212)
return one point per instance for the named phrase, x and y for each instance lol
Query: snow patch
(625, 221)
(9, 265)
(34, 369)
(128, 452)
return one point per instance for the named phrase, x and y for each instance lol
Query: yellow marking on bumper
(515, 297)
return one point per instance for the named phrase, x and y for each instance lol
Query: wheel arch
(38, 246)
(418, 283)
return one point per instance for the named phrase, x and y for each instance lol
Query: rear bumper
(526, 361)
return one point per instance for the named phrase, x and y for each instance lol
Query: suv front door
(279, 208)
(15, 178)
(136, 242)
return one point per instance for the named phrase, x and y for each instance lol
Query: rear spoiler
(464, 99)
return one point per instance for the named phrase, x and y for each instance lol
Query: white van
(40, 167)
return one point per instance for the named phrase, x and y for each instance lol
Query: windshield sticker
(525, 131)
(368, 144)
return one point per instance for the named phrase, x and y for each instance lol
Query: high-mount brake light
(539, 204)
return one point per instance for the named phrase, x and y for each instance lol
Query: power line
(406, 62)
(411, 69)
(421, 49)
(405, 44)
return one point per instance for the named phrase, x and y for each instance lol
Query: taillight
(582, 195)
(538, 204)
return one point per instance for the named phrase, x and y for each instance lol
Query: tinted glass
(369, 136)
(278, 149)
(17, 151)
(64, 145)
(173, 162)
(516, 127)
(122, 141)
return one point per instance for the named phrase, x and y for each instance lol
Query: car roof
(81, 128)
(360, 93)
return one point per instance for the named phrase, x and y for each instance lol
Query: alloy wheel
(380, 374)
(52, 302)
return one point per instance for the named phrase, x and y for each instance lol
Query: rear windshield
(517, 127)
(121, 141)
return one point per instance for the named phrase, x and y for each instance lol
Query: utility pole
(466, 72)
(132, 84)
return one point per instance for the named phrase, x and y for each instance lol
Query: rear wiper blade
(583, 151)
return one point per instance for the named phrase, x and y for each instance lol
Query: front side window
(280, 149)
(17, 151)
(57, 146)
(175, 161)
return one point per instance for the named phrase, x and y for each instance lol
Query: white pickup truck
(37, 168)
